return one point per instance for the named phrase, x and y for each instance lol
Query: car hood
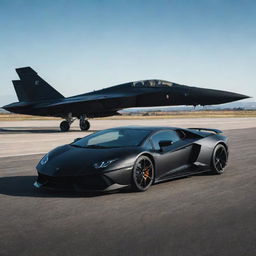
(69, 160)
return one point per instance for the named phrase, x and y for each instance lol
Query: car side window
(164, 135)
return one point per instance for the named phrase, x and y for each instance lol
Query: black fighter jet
(37, 97)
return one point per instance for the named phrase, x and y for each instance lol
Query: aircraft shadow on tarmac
(22, 186)
(18, 130)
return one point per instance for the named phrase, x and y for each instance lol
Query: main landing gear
(64, 126)
(83, 123)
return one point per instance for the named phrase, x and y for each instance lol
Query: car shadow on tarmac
(24, 130)
(22, 186)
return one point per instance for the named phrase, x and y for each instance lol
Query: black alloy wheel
(143, 174)
(64, 126)
(84, 125)
(219, 159)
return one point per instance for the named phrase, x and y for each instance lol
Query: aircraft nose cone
(231, 96)
(237, 96)
(208, 96)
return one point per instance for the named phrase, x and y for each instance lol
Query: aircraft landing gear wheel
(143, 174)
(64, 126)
(84, 125)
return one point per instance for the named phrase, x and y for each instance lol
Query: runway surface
(200, 215)
(34, 137)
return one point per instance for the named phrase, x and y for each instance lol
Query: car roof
(149, 128)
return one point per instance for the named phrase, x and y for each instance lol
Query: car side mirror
(77, 139)
(165, 143)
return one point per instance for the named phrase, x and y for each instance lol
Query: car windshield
(113, 138)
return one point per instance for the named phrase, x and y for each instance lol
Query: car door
(171, 158)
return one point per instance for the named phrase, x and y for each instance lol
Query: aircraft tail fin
(31, 87)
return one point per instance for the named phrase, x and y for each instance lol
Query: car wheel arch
(224, 144)
(220, 143)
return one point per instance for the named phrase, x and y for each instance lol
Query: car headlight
(45, 159)
(103, 164)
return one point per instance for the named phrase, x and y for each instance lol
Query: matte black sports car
(132, 156)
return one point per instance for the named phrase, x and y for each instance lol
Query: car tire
(219, 159)
(143, 174)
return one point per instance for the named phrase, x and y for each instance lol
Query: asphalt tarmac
(40, 136)
(200, 215)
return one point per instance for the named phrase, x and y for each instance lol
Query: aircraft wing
(88, 99)
(93, 105)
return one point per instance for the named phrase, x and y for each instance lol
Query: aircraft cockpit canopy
(151, 83)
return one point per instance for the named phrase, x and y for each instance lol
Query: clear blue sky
(79, 46)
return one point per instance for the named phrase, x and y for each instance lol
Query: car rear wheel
(143, 174)
(219, 159)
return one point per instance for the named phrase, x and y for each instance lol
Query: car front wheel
(143, 174)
